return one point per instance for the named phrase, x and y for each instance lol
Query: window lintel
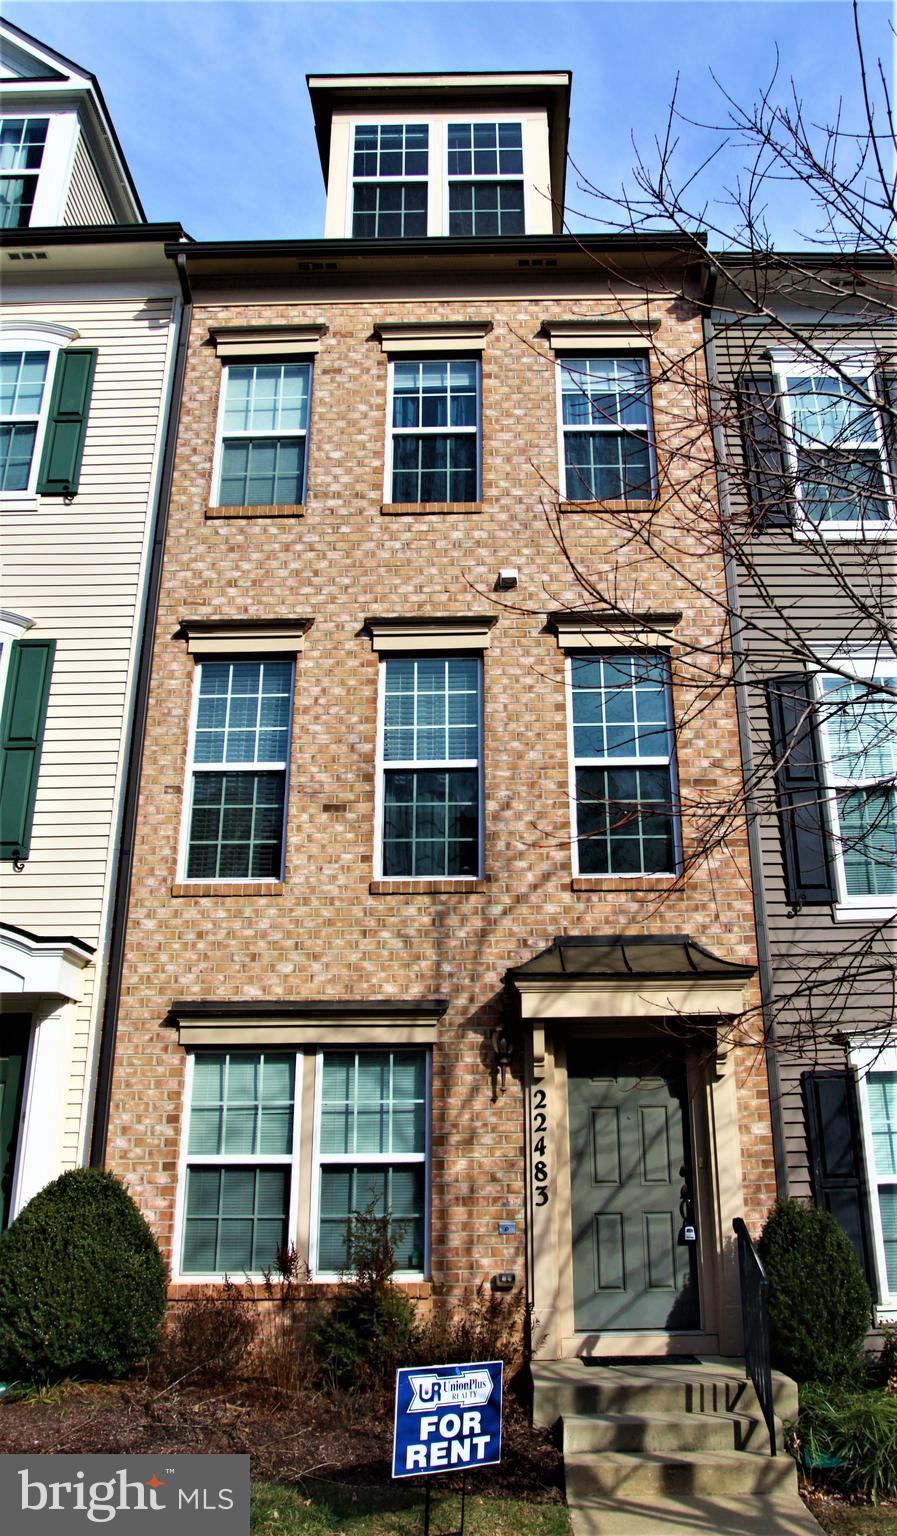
(583, 631)
(378, 1023)
(597, 334)
(449, 633)
(210, 636)
(439, 335)
(233, 342)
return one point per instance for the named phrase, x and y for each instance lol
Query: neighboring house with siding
(414, 916)
(88, 329)
(805, 358)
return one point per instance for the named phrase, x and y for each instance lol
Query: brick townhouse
(417, 915)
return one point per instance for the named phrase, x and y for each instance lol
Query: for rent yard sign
(447, 1416)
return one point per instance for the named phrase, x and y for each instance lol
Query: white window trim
(185, 1160)
(432, 357)
(33, 336)
(562, 365)
(184, 837)
(327, 1277)
(457, 121)
(865, 1059)
(847, 908)
(641, 762)
(54, 173)
(859, 364)
(261, 362)
(381, 767)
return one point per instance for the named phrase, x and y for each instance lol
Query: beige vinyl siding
(808, 943)
(78, 572)
(86, 202)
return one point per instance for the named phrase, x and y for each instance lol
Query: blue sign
(447, 1416)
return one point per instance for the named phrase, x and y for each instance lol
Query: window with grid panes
(606, 423)
(372, 1146)
(835, 445)
(264, 428)
(622, 739)
(431, 767)
(435, 430)
(882, 1100)
(239, 1161)
(23, 381)
(241, 746)
(859, 725)
(22, 143)
(389, 175)
(485, 178)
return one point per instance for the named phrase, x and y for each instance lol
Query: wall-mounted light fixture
(507, 579)
(502, 1047)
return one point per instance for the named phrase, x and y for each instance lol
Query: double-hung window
(238, 1183)
(238, 773)
(606, 428)
(621, 732)
(485, 178)
(431, 790)
(389, 180)
(434, 436)
(834, 445)
(858, 721)
(22, 143)
(263, 434)
(372, 1152)
(23, 390)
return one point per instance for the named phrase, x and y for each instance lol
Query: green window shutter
(21, 737)
(67, 423)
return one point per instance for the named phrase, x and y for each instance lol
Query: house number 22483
(540, 1164)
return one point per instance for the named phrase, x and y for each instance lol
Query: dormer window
(389, 174)
(485, 178)
(22, 141)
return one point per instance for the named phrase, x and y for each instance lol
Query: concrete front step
(781, 1514)
(565, 1387)
(615, 1474)
(635, 1432)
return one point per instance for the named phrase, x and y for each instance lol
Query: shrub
(819, 1303)
(487, 1325)
(282, 1353)
(369, 1327)
(207, 1339)
(82, 1282)
(848, 1440)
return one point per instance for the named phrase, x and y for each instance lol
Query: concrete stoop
(667, 1448)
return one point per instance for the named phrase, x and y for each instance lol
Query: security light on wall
(507, 579)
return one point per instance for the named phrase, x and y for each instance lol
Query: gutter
(767, 991)
(121, 901)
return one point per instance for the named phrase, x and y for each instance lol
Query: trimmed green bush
(82, 1282)
(848, 1440)
(819, 1303)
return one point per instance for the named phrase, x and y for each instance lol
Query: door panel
(630, 1175)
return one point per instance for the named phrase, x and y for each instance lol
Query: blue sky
(210, 103)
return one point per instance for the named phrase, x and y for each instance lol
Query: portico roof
(659, 957)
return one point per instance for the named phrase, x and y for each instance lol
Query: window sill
(286, 510)
(10, 502)
(227, 888)
(459, 887)
(883, 913)
(628, 882)
(428, 508)
(651, 504)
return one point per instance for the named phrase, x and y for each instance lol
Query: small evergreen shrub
(369, 1327)
(487, 1325)
(82, 1282)
(819, 1303)
(848, 1440)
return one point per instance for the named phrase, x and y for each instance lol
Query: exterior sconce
(502, 1046)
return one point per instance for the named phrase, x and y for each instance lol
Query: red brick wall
(325, 933)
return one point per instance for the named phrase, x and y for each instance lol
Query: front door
(14, 1031)
(634, 1259)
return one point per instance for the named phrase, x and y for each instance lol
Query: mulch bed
(337, 1437)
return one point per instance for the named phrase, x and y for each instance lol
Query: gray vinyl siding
(841, 970)
(86, 202)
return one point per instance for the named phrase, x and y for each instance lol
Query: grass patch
(338, 1509)
(840, 1519)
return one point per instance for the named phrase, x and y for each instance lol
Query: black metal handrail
(755, 1323)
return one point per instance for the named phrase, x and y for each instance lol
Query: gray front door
(630, 1171)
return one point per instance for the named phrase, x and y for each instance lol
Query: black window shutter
(888, 386)
(67, 422)
(21, 738)
(800, 790)
(836, 1162)
(764, 460)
